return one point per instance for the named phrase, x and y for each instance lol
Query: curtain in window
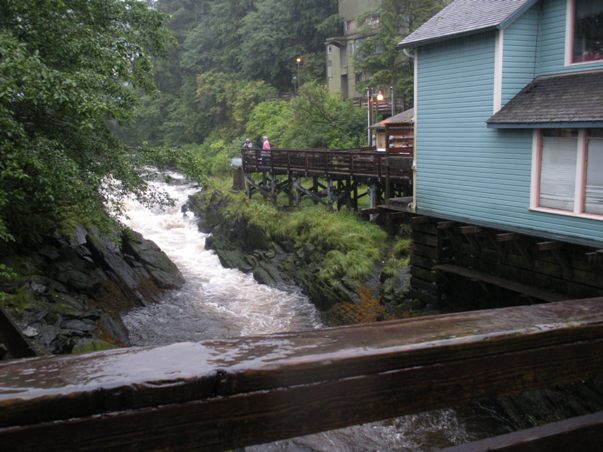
(558, 175)
(588, 31)
(594, 175)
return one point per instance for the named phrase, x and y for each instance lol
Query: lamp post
(298, 60)
(369, 111)
(379, 99)
(392, 100)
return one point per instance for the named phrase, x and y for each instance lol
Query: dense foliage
(379, 57)
(231, 51)
(67, 68)
(351, 247)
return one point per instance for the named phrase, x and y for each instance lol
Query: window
(593, 202)
(569, 172)
(587, 31)
(350, 25)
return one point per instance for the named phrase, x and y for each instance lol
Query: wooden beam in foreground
(582, 433)
(223, 394)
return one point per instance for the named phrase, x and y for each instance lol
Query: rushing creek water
(216, 302)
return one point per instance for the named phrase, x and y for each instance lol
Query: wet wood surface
(222, 394)
(582, 433)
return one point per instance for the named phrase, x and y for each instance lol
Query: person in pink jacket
(266, 145)
(265, 151)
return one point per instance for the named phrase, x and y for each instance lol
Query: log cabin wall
(458, 266)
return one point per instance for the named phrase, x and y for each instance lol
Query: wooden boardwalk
(362, 162)
(336, 175)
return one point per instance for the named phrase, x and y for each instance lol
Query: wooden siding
(519, 54)
(551, 42)
(464, 169)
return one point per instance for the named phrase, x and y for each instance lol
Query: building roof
(406, 117)
(464, 17)
(572, 100)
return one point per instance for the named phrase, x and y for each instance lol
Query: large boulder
(79, 285)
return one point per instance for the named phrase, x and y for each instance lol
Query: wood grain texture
(230, 393)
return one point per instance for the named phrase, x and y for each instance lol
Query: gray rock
(79, 237)
(107, 253)
(162, 269)
(78, 325)
(49, 252)
(114, 329)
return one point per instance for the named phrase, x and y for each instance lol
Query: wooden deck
(363, 163)
(222, 394)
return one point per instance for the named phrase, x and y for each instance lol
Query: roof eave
(547, 125)
(421, 42)
(501, 26)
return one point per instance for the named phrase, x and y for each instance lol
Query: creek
(216, 302)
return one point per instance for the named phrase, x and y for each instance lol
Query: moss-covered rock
(71, 290)
(336, 259)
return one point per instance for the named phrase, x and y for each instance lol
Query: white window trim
(569, 31)
(570, 16)
(413, 207)
(498, 70)
(580, 181)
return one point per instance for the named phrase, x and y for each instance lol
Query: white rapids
(216, 302)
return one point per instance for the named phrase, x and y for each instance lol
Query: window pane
(594, 173)
(588, 31)
(558, 174)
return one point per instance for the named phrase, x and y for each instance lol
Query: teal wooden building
(509, 116)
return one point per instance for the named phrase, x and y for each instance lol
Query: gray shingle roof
(463, 17)
(406, 117)
(573, 98)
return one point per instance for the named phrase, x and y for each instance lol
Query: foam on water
(217, 303)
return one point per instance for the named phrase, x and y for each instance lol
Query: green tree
(322, 119)
(315, 118)
(379, 57)
(271, 118)
(279, 30)
(67, 68)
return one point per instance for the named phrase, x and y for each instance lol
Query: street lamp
(369, 115)
(298, 60)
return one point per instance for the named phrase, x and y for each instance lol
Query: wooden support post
(290, 188)
(556, 249)
(330, 193)
(420, 219)
(298, 192)
(470, 229)
(506, 237)
(442, 225)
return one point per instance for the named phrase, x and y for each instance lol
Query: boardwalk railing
(221, 394)
(365, 162)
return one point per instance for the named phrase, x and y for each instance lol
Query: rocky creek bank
(77, 286)
(278, 262)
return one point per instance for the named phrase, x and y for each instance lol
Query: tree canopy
(252, 41)
(67, 68)
(379, 56)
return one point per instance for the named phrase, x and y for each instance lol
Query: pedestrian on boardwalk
(265, 151)
(266, 144)
(247, 144)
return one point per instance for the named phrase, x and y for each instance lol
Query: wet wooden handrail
(221, 394)
(362, 162)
